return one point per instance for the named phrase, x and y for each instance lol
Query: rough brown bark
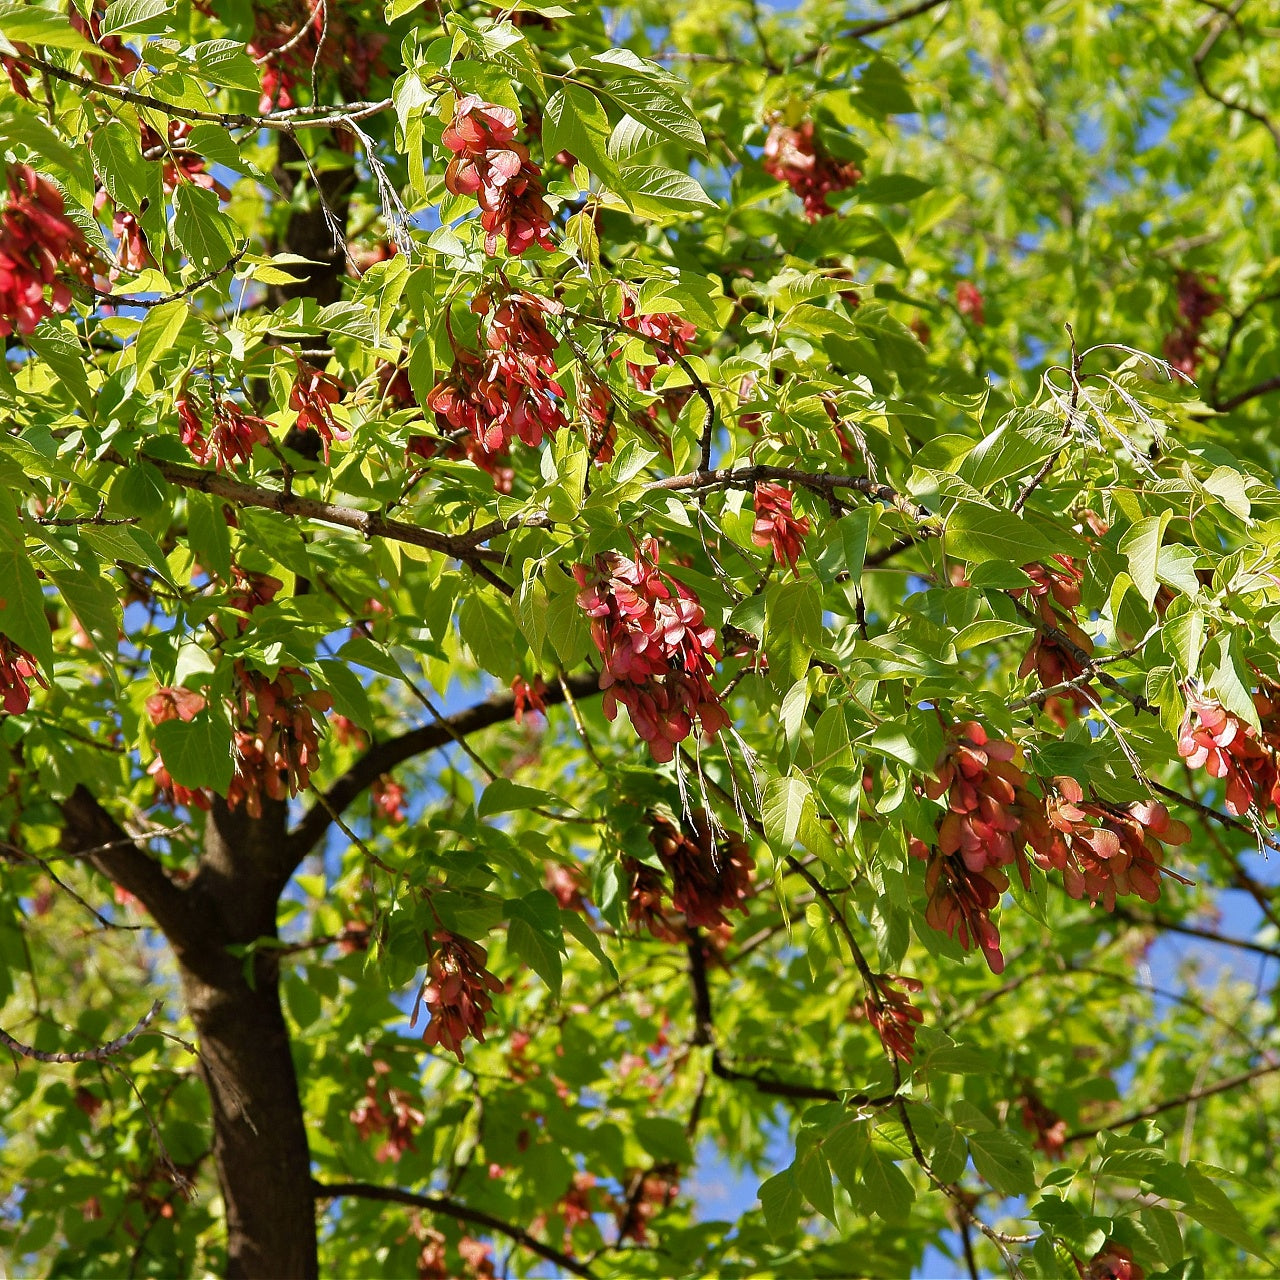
(260, 1140)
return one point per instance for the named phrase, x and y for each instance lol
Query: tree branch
(1085, 659)
(385, 756)
(704, 1034)
(1198, 60)
(12, 850)
(818, 482)
(872, 27)
(676, 357)
(371, 524)
(451, 1208)
(328, 117)
(1171, 1104)
(1262, 388)
(193, 286)
(90, 832)
(1224, 354)
(1224, 819)
(99, 1054)
(1193, 931)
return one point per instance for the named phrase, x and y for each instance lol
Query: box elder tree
(597, 601)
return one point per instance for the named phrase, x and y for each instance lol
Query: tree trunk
(260, 1138)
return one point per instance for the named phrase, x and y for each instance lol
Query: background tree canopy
(655, 627)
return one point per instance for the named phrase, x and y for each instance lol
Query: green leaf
(22, 616)
(795, 607)
(782, 1201)
(302, 1000)
(93, 600)
(889, 1191)
(987, 630)
(629, 138)
(411, 96)
(117, 157)
(1162, 1226)
(1184, 640)
(892, 188)
(855, 531)
(567, 630)
(1021, 441)
(941, 1053)
(845, 1147)
(791, 713)
(1231, 680)
(664, 1139)
(576, 924)
(655, 191)
(580, 232)
(489, 629)
(813, 1177)
(882, 89)
(33, 24)
(225, 62)
(158, 333)
(536, 936)
(350, 697)
(137, 491)
(60, 348)
(200, 229)
(504, 796)
(1052, 1261)
(658, 107)
(19, 124)
(530, 607)
(1212, 1208)
(197, 753)
(950, 1155)
(134, 15)
(787, 804)
(916, 742)
(1141, 545)
(1177, 569)
(1231, 489)
(574, 121)
(130, 546)
(1003, 1161)
(977, 533)
(209, 535)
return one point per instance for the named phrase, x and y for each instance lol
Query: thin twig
(1170, 1104)
(1201, 55)
(1265, 387)
(871, 28)
(370, 524)
(453, 1209)
(193, 286)
(26, 854)
(281, 121)
(1068, 429)
(1194, 931)
(99, 1054)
